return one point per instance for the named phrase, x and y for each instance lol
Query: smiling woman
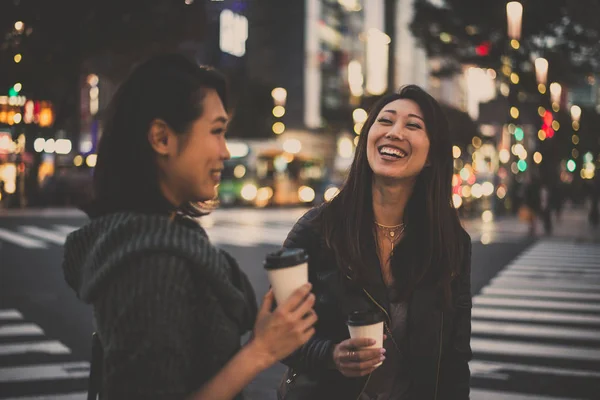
(170, 307)
(389, 243)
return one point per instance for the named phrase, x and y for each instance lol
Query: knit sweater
(169, 307)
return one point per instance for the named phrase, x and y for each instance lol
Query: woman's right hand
(279, 333)
(353, 358)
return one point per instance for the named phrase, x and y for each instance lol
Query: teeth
(392, 152)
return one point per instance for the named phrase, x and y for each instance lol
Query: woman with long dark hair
(390, 241)
(169, 307)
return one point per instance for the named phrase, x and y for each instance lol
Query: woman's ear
(161, 137)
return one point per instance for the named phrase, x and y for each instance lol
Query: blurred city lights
(555, 125)
(17, 87)
(331, 193)
(18, 57)
(355, 78)
(487, 216)
(555, 92)
(514, 112)
(306, 194)
(237, 149)
(345, 147)
(514, 14)
(501, 192)
(90, 160)
(519, 133)
(358, 127)
(541, 111)
(278, 111)
(359, 116)
(278, 128)
(575, 153)
(456, 152)
(77, 160)
(575, 139)
(522, 165)
(249, 192)
(279, 95)
(487, 188)
(17, 118)
(38, 144)
(457, 200)
(239, 171)
(514, 78)
(19, 26)
(504, 156)
(292, 146)
(575, 113)
(537, 157)
(571, 165)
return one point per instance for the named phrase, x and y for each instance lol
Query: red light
(547, 124)
(483, 49)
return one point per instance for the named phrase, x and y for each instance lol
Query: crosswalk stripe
(21, 240)
(10, 315)
(46, 346)
(21, 329)
(65, 396)
(479, 394)
(481, 367)
(46, 234)
(547, 268)
(534, 316)
(554, 294)
(533, 303)
(591, 277)
(66, 228)
(558, 262)
(533, 330)
(72, 370)
(529, 349)
(514, 282)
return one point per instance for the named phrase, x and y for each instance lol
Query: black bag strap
(95, 382)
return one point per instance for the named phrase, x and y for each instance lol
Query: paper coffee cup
(287, 270)
(367, 324)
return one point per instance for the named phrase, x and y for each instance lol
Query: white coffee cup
(367, 324)
(287, 270)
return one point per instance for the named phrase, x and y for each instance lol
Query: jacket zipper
(437, 378)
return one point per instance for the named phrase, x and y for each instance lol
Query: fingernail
(382, 358)
(372, 341)
(382, 351)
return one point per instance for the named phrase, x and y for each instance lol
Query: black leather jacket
(439, 348)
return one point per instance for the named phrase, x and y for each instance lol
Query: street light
(541, 73)
(514, 13)
(555, 92)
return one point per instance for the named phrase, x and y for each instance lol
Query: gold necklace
(393, 232)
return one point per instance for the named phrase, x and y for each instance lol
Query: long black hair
(169, 87)
(433, 247)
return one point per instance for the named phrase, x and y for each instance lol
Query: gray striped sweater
(169, 307)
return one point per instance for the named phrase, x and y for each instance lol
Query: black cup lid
(360, 318)
(284, 258)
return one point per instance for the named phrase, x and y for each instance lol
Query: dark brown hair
(169, 87)
(433, 247)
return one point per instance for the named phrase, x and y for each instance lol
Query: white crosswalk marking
(21, 240)
(46, 234)
(536, 320)
(46, 346)
(45, 372)
(71, 396)
(10, 315)
(20, 329)
(18, 368)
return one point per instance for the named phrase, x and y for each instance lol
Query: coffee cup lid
(360, 318)
(284, 258)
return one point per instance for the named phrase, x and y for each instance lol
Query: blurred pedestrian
(169, 307)
(389, 242)
(532, 204)
(546, 208)
(594, 214)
